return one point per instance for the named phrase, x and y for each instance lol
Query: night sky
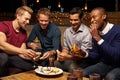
(11, 5)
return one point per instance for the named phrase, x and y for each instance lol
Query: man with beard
(106, 46)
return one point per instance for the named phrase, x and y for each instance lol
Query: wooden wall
(62, 19)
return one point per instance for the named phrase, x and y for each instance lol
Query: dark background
(11, 5)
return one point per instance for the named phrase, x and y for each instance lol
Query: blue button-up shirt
(50, 40)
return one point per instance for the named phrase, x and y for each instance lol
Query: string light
(37, 1)
(59, 5)
(86, 7)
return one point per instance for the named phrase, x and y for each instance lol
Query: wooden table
(31, 75)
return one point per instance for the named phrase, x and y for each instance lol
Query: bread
(55, 70)
(38, 53)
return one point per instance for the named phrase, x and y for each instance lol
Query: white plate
(38, 71)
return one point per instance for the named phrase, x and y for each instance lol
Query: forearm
(10, 49)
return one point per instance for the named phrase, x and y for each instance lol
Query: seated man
(79, 35)
(47, 33)
(106, 46)
(13, 40)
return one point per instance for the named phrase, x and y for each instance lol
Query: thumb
(58, 52)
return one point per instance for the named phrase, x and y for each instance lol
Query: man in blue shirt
(106, 46)
(47, 33)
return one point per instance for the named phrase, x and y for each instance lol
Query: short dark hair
(77, 10)
(101, 9)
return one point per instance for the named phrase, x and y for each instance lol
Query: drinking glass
(72, 76)
(78, 72)
(34, 62)
(94, 76)
(51, 60)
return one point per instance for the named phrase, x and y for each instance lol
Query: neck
(103, 25)
(75, 29)
(15, 25)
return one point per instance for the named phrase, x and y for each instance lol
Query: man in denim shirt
(47, 33)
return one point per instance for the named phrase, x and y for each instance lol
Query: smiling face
(23, 19)
(43, 20)
(98, 18)
(75, 21)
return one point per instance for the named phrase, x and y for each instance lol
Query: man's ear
(104, 16)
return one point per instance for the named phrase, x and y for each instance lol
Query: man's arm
(10, 49)
(6, 47)
(23, 46)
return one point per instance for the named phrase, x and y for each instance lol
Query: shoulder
(5, 26)
(53, 27)
(84, 27)
(116, 28)
(6, 23)
(36, 26)
(68, 29)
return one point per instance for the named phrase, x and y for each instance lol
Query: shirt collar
(106, 29)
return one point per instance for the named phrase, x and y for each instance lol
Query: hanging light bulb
(86, 7)
(37, 1)
(59, 5)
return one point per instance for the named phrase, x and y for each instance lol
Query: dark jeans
(13, 61)
(104, 70)
(3, 65)
(17, 62)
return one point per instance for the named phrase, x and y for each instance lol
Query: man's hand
(45, 55)
(94, 31)
(79, 53)
(61, 56)
(27, 54)
(37, 57)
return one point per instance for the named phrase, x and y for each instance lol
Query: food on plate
(40, 68)
(48, 70)
(55, 70)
